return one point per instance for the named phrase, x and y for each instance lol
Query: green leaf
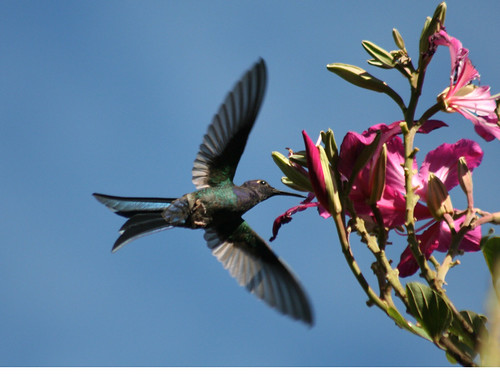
(478, 324)
(486, 237)
(464, 348)
(403, 323)
(491, 252)
(430, 310)
(379, 54)
(450, 359)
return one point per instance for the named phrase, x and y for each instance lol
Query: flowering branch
(373, 186)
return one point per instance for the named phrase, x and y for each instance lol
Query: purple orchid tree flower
(392, 203)
(372, 184)
(437, 237)
(316, 177)
(441, 162)
(473, 102)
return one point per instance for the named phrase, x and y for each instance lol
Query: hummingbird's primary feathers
(227, 135)
(217, 205)
(252, 263)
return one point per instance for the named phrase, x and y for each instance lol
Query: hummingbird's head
(264, 190)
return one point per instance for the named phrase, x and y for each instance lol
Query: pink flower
(438, 238)
(473, 102)
(317, 179)
(392, 204)
(442, 162)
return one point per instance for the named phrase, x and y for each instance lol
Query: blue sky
(114, 97)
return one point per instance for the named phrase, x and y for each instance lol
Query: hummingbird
(217, 204)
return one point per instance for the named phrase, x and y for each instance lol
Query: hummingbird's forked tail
(144, 216)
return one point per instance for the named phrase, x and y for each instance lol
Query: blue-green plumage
(217, 205)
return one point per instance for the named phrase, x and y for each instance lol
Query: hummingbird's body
(218, 204)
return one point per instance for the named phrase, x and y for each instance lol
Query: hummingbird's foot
(199, 214)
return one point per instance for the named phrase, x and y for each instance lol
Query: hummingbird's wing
(227, 135)
(253, 264)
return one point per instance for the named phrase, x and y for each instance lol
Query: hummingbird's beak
(280, 192)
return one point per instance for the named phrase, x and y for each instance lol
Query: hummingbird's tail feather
(138, 226)
(128, 207)
(145, 216)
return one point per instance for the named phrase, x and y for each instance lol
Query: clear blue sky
(114, 97)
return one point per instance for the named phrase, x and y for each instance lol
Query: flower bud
(398, 39)
(438, 199)
(381, 57)
(358, 76)
(331, 149)
(292, 185)
(332, 190)
(465, 180)
(298, 157)
(320, 174)
(297, 175)
(432, 26)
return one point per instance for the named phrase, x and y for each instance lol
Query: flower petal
(287, 216)
(438, 238)
(315, 171)
(428, 243)
(443, 163)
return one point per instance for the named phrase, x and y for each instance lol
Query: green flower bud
(465, 180)
(432, 26)
(438, 199)
(330, 183)
(299, 158)
(292, 185)
(294, 173)
(382, 58)
(358, 76)
(330, 146)
(398, 39)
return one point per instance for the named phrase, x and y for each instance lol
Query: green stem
(394, 96)
(353, 265)
(456, 353)
(427, 273)
(411, 200)
(391, 275)
(430, 112)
